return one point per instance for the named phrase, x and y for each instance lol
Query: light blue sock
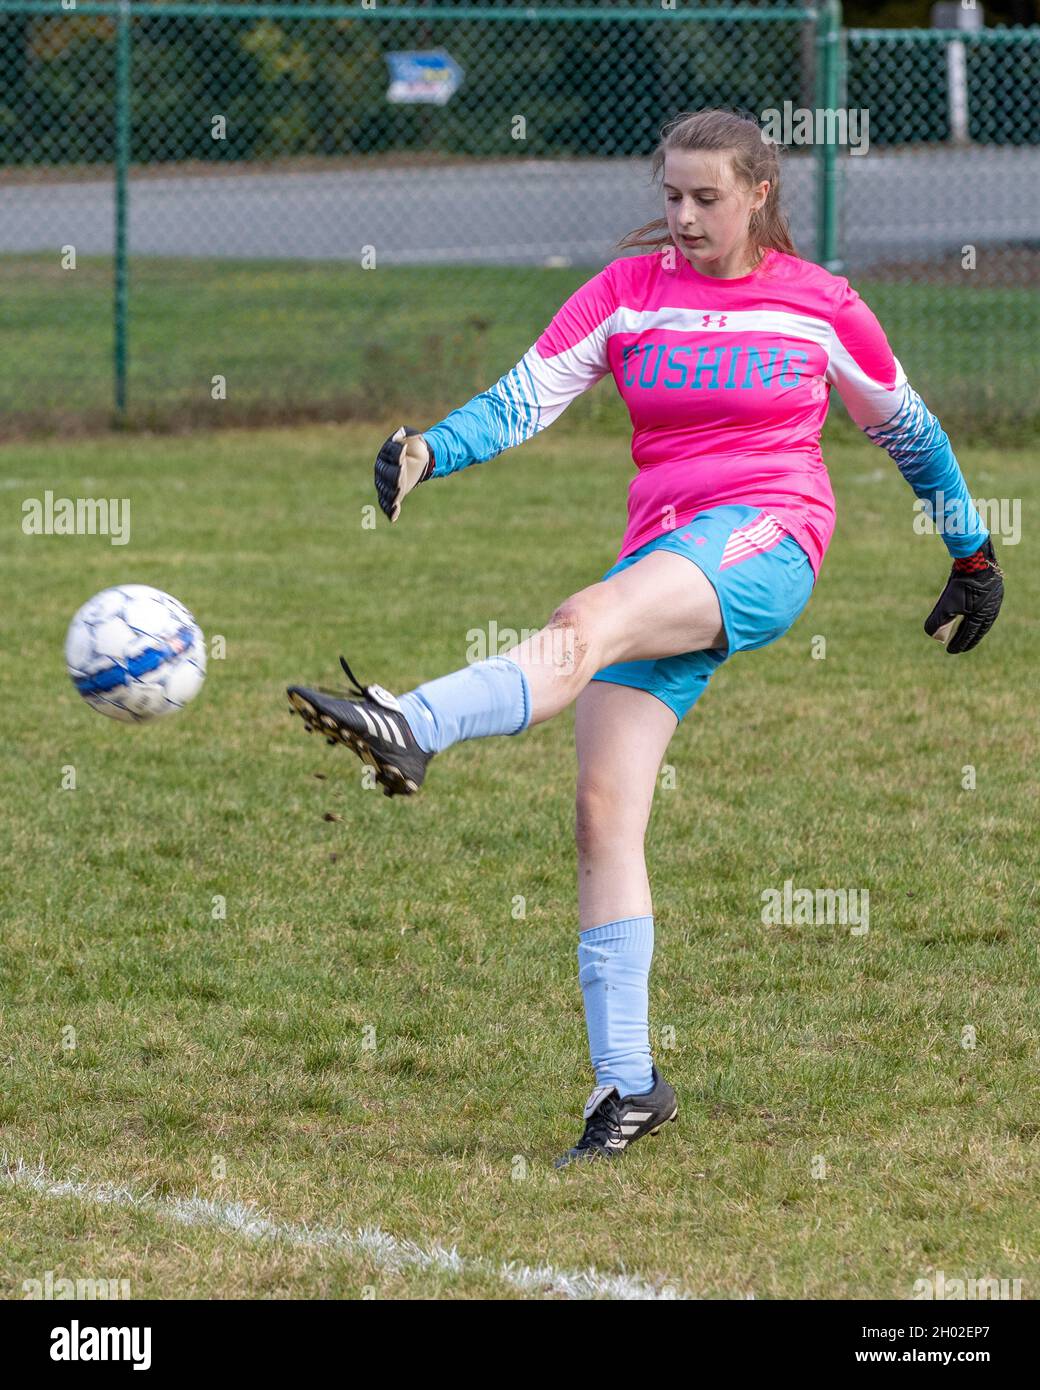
(488, 697)
(614, 970)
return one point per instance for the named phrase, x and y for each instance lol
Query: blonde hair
(752, 159)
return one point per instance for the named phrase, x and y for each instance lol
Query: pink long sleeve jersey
(727, 383)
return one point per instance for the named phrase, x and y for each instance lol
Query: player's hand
(404, 461)
(969, 604)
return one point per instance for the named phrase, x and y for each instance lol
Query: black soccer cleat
(612, 1122)
(372, 724)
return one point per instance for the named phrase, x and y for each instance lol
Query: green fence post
(828, 64)
(122, 161)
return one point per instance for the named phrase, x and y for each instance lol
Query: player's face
(708, 210)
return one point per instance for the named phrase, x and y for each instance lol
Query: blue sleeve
(923, 454)
(504, 415)
(876, 393)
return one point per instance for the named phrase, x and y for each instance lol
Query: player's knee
(571, 634)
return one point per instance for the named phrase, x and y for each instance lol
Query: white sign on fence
(432, 76)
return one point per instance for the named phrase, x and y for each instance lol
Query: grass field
(335, 342)
(231, 1060)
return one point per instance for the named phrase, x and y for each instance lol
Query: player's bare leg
(661, 606)
(621, 736)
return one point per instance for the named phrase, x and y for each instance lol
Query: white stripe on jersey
(772, 321)
(869, 402)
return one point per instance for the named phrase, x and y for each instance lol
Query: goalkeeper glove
(969, 604)
(404, 461)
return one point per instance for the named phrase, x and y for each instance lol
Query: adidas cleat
(372, 724)
(612, 1122)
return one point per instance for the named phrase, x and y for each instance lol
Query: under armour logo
(706, 320)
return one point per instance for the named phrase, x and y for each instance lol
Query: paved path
(916, 202)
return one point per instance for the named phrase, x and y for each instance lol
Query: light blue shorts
(763, 580)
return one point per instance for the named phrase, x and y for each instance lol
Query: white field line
(385, 1250)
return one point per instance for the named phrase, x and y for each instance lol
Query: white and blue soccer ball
(135, 653)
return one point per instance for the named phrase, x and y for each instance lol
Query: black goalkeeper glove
(404, 461)
(969, 604)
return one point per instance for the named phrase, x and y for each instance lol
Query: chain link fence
(939, 222)
(217, 213)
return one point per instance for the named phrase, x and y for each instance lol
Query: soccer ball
(135, 653)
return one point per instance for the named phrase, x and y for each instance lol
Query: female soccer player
(724, 345)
